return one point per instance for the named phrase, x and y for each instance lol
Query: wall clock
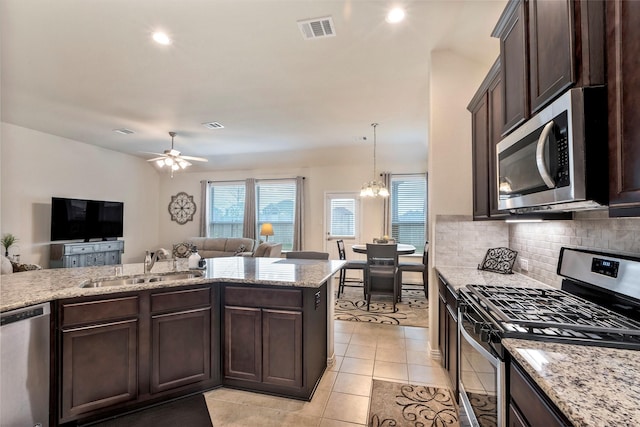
(182, 208)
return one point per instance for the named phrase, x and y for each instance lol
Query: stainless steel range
(599, 305)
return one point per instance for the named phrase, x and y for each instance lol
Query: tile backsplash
(462, 242)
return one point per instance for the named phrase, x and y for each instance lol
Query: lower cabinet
(117, 353)
(448, 332)
(529, 406)
(274, 339)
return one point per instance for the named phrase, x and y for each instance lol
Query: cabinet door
(513, 56)
(480, 144)
(494, 101)
(452, 351)
(71, 261)
(515, 418)
(442, 329)
(551, 50)
(243, 343)
(112, 257)
(180, 349)
(623, 51)
(99, 367)
(282, 348)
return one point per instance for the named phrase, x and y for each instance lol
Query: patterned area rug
(406, 405)
(485, 409)
(412, 311)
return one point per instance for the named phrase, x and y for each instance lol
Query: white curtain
(386, 217)
(204, 208)
(249, 228)
(298, 222)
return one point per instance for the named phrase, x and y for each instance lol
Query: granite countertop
(33, 287)
(592, 386)
(459, 277)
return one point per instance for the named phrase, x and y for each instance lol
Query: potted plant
(7, 241)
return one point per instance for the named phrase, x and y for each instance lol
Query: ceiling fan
(173, 159)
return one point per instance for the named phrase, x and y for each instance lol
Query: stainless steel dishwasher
(24, 366)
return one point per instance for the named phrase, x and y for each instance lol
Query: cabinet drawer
(180, 300)
(260, 297)
(81, 249)
(108, 246)
(99, 311)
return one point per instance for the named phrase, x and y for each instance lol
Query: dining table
(403, 249)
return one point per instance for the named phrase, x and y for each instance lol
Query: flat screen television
(73, 219)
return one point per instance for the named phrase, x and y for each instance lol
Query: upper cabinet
(546, 47)
(623, 51)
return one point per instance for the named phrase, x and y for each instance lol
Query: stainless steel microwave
(558, 159)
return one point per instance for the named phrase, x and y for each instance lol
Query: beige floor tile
(417, 345)
(390, 370)
(344, 326)
(416, 333)
(336, 365)
(326, 422)
(347, 407)
(231, 414)
(357, 366)
(360, 351)
(395, 343)
(314, 408)
(341, 337)
(353, 384)
(363, 339)
(328, 378)
(429, 375)
(366, 328)
(391, 331)
(340, 349)
(391, 355)
(420, 358)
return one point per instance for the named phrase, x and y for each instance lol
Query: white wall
(37, 166)
(453, 82)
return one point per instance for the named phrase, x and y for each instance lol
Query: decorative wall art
(182, 208)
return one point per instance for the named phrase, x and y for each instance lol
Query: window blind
(343, 218)
(409, 209)
(226, 209)
(275, 202)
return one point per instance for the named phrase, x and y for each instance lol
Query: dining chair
(357, 264)
(381, 274)
(418, 268)
(307, 255)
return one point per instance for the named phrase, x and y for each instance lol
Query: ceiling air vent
(124, 131)
(212, 125)
(317, 28)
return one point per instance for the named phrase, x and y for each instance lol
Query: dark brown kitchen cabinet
(118, 353)
(486, 116)
(181, 352)
(99, 365)
(623, 65)
(448, 332)
(274, 339)
(528, 405)
(545, 48)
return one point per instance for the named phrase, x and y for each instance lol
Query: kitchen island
(261, 324)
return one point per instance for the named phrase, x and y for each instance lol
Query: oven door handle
(493, 359)
(540, 162)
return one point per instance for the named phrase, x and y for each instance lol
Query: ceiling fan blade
(150, 152)
(156, 159)
(196, 159)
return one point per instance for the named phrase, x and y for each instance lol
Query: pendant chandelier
(374, 188)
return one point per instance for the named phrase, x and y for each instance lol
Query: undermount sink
(147, 278)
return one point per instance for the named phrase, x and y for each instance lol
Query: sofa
(268, 250)
(213, 247)
(8, 266)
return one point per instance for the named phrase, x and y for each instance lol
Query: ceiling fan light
(183, 164)
(160, 163)
(175, 167)
(168, 161)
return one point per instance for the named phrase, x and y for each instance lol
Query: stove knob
(478, 327)
(485, 334)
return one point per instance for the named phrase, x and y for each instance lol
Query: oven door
(482, 382)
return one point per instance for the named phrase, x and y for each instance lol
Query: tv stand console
(86, 254)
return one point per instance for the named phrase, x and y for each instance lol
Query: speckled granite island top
(459, 277)
(592, 386)
(33, 287)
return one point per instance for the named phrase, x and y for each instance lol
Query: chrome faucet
(150, 261)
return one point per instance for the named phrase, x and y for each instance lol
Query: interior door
(342, 221)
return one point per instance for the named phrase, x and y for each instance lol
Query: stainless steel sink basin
(147, 278)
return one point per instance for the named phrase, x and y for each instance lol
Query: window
(275, 203)
(409, 209)
(342, 218)
(226, 209)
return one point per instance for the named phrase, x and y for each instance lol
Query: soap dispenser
(194, 258)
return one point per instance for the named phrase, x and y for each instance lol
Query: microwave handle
(542, 167)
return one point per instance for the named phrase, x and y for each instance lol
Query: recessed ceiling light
(395, 15)
(161, 38)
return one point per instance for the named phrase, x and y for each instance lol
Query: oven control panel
(605, 267)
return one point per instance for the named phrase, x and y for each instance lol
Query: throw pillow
(182, 250)
(240, 249)
(7, 268)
